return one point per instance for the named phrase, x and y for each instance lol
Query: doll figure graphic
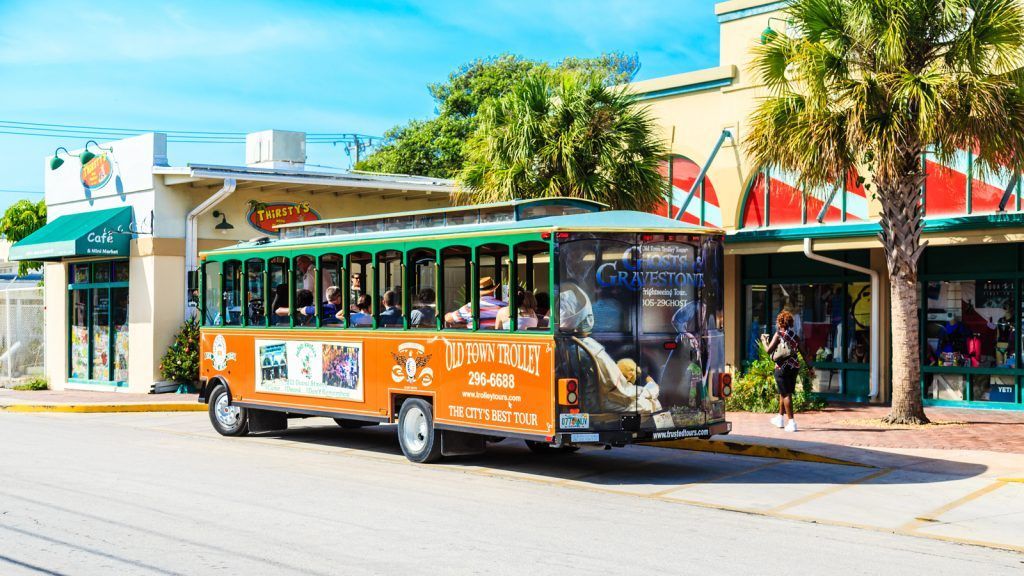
(617, 393)
(648, 392)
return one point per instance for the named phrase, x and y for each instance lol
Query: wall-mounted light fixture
(769, 34)
(86, 155)
(224, 225)
(57, 161)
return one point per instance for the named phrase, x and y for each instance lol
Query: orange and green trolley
(553, 321)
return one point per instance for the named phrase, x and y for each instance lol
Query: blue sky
(297, 65)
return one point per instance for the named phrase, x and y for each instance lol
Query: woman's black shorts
(785, 380)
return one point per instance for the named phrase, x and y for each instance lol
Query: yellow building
(817, 254)
(124, 228)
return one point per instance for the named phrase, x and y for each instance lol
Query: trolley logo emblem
(220, 354)
(411, 365)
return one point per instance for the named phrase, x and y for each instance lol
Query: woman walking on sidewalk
(783, 349)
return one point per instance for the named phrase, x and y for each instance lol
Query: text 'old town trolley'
(553, 321)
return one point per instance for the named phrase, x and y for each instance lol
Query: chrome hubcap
(415, 430)
(227, 415)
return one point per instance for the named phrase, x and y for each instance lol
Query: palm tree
(564, 134)
(869, 86)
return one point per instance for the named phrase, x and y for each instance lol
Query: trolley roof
(606, 221)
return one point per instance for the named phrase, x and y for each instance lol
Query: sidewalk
(87, 401)
(958, 441)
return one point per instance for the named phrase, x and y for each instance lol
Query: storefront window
(817, 311)
(119, 320)
(80, 330)
(831, 310)
(945, 386)
(98, 326)
(858, 322)
(986, 388)
(757, 322)
(970, 323)
(100, 331)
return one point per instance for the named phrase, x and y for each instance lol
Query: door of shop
(98, 323)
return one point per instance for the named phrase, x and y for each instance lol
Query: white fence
(22, 336)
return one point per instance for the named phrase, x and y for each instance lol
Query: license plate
(574, 421)
(584, 438)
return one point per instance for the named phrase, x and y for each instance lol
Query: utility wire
(41, 129)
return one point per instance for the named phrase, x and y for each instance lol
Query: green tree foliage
(181, 362)
(869, 86)
(434, 147)
(21, 219)
(565, 134)
(755, 390)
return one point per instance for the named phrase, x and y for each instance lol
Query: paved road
(162, 494)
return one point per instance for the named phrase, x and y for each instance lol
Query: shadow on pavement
(648, 465)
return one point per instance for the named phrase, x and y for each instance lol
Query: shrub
(181, 362)
(33, 384)
(755, 390)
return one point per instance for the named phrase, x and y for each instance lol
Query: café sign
(96, 172)
(265, 217)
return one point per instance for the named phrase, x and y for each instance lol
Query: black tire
(227, 420)
(419, 441)
(545, 448)
(349, 424)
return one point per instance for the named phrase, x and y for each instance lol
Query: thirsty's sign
(265, 217)
(96, 172)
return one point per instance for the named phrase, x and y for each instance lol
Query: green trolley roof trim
(475, 234)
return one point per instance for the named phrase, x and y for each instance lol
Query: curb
(96, 408)
(755, 450)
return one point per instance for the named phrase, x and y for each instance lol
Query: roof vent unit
(276, 149)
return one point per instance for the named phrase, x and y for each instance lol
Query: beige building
(816, 252)
(125, 227)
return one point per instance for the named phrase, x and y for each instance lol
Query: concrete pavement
(88, 401)
(163, 493)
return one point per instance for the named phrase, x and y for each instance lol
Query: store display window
(971, 323)
(98, 323)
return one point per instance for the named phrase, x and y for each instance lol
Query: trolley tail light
(724, 385)
(568, 392)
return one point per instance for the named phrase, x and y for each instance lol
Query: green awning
(97, 233)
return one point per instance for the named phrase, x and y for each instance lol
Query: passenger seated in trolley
(361, 316)
(303, 301)
(526, 314)
(392, 314)
(330, 307)
(280, 305)
(424, 315)
(489, 307)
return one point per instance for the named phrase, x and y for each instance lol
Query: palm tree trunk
(907, 407)
(901, 238)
